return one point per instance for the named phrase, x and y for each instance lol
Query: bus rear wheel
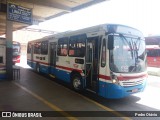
(76, 82)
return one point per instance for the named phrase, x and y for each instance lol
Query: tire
(77, 82)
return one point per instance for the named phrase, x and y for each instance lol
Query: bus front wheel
(77, 82)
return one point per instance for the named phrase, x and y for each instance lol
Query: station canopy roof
(42, 10)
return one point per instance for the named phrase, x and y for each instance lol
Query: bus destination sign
(19, 13)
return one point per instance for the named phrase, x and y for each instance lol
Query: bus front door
(52, 56)
(92, 68)
(32, 52)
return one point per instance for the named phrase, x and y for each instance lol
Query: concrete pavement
(153, 71)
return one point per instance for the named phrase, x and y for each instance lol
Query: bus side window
(152, 53)
(158, 52)
(44, 48)
(29, 48)
(62, 46)
(37, 48)
(1, 59)
(77, 46)
(103, 54)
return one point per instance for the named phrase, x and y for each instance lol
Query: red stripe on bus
(121, 78)
(131, 77)
(38, 62)
(58, 66)
(100, 75)
(104, 77)
(67, 68)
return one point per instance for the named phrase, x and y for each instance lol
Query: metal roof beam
(3, 27)
(56, 15)
(47, 3)
(2, 20)
(2, 16)
(40, 19)
(2, 24)
(87, 4)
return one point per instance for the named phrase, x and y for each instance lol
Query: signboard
(19, 13)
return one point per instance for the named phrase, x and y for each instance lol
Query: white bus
(15, 55)
(2, 58)
(109, 59)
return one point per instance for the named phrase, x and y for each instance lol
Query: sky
(140, 14)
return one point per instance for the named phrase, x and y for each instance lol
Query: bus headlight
(114, 79)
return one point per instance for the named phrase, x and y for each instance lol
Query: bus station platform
(33, 92)
(153, 71)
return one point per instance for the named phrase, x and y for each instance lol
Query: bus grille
(131, 83)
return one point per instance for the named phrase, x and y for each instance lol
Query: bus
(2, 58)
(16, 55)
(153, 55)
(153, 51)
(108, 60)
(152, 40)
(16, 52)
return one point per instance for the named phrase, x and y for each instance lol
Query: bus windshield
(128, 54)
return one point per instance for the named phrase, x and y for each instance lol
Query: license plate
(134, 90)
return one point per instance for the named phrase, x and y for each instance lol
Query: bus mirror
(110, 42)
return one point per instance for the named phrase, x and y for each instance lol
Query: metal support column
(9, 50)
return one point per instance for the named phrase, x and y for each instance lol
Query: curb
(153, 71)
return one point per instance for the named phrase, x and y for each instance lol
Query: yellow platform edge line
(106, 108)
(52, 106)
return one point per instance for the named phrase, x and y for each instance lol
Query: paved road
(148, 100)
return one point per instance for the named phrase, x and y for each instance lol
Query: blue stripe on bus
(3, 76)
(44, 69)
(61, 74)
(29, 63)
(102, 89)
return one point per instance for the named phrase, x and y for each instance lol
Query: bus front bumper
(117, 91)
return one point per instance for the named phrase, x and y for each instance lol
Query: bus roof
(108, 28)
(104, 27)
(152, 40)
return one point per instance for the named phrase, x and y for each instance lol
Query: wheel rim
(76, 83)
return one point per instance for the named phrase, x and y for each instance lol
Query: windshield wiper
(129, 44)
(134, 51)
